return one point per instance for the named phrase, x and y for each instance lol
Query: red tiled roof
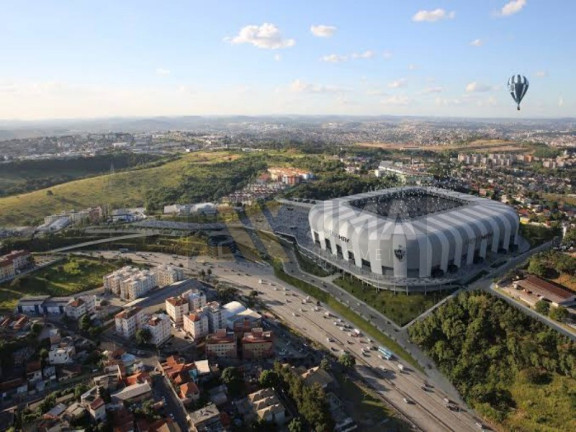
(97, 403)
(550, 291)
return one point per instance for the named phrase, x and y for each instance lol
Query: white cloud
(433, 15)
(477, 42)
(541, 74)
(512, 7)
(387, 55)
(448, 102)
(162, 71)
(322, 30)
(476, 87)
(560, 101)
(299, 86)
(363, 55)
(436, 89)
(396, 100)
(398, 83)
(277, 57)
(334, 58)
(377, 92)
(266, 36)
(412, 67)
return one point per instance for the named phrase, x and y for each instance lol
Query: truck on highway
(385, 353)
(327, 315)
(401, 367)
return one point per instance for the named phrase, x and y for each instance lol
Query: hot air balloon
(518, 86)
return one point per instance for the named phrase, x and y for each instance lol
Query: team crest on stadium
(400, 253)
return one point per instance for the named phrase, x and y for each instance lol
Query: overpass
(101, 241)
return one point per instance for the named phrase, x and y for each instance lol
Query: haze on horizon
(65, 59)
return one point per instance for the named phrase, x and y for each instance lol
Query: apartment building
(196, 325)
(196, 299)
(176, 308)
(257, 344)
(216, 316)
(78, 306)
(128, 321)
(167, 274)
(130, 282)
(221, 344)
(159, 326)
(12, 263)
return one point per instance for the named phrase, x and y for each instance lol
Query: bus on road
(385, 353)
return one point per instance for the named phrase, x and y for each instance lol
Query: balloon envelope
(518, 86)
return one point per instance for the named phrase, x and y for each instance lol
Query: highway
(425, 408)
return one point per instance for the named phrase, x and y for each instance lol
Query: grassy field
(367, 410)
(400, 308)
(544, 408)
(118, 190)
(67, 277)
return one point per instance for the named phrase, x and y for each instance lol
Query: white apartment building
(196, 299)
(168, 274)
(196, 325)
(176, 308)
(159, 326)
(216, 316)
(128, 321)
(130, 282)
(78, 306)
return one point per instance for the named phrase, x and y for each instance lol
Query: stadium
(412, 236)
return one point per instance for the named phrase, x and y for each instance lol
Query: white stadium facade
(412, 235)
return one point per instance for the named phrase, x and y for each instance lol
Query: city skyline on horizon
(440, 59)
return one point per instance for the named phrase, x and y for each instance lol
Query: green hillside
(128, 188)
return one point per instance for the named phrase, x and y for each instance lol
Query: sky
(84, 59)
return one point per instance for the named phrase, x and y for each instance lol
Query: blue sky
(73, 58)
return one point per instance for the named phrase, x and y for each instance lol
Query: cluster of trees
(310, 400)
(34, 175)
(88, 328)
(208, 183)
(482, 344)
(549, 264)
(339, 184)
(538, 234)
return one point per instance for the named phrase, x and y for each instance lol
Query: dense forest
(339, 184)
(28, 175)
(508, 366)
(222, 179)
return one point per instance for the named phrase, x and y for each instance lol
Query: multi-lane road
(407, 391)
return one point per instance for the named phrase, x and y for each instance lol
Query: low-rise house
(97, 410)
(267, 406)
(74, 412)
(206, 419)
(34, 371)
(317, 375)
(133, 393)
(61, 355)
(189, 392)
(55, 412)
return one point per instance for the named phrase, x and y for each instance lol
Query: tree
(16, 283)
(84, 323)
(542, 307)
(43, 354)
(143, 336)
(79, 390)
(234, 380)
(36, 328)
(269, 378)
(325, 364)
(296, 425)
(347, 360)
(559, 313)
(537, 267)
